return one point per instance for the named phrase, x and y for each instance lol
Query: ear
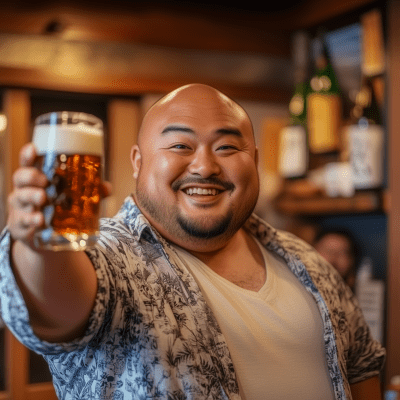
(136, 160)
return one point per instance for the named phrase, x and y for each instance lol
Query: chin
(205, 229)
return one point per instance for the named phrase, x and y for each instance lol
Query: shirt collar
(133, 219)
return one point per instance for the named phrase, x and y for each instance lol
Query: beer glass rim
(69, 118)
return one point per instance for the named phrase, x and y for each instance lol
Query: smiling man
(187, 294)
(200, 164)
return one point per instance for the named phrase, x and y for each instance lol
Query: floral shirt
(151, 334)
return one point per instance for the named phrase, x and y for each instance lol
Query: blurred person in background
(340, 248)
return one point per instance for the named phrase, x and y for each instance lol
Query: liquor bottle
(293, 144)
(366, 139)
(324, 111)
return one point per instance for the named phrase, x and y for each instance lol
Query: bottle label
(293, 155)
(366, 155)
(324, 119)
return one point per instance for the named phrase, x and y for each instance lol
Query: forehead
(201, 113)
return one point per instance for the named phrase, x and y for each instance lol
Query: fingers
(28, 197)
(29, 176)
(27, 155)
(105, 189)
(24, 212)
(24, 225)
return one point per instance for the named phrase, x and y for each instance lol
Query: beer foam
(68, 139)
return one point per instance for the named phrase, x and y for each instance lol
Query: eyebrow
(176, 128)
(221, 131)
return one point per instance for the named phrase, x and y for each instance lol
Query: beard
(196, 228)
(175, 223)
(183, 226)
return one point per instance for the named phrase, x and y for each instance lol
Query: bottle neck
(367, 108)
(298, 105)
(324, 79)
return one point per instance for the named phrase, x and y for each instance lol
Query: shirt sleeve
(366, 356)
(15, 314)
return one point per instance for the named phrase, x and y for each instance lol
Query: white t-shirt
(275, 335)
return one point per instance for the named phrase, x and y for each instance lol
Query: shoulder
(116, 248)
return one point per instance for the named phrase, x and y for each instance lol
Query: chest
(275, 335)
(250, 277)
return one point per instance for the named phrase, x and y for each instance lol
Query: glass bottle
(324, 113)
(366, 139)
(293, 145)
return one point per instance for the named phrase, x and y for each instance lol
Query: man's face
(196, 171)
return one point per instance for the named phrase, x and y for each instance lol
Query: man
(340, 249)
(187, 295)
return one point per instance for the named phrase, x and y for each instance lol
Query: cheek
(159, 171)
(246, 176)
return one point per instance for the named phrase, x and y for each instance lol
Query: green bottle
(324, 114)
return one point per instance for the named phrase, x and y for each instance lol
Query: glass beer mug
(70, 151)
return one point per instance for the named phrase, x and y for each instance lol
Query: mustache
(204, 181)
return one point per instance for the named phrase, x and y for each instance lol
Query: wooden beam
(124, 119)
(188, 28)
(17, 108)
(129, 85)
(312, 13)
(393, 270)
(213, 27)
(17, 367)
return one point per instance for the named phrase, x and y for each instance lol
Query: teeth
(204, 192)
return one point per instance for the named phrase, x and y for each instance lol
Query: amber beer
(70, 150)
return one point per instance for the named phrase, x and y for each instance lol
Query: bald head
(197, 96)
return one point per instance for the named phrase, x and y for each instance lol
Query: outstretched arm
(59, 288)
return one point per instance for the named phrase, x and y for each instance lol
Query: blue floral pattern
(151, 335)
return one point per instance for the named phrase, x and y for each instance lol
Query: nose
(204, 163)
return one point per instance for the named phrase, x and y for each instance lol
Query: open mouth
(202, 191)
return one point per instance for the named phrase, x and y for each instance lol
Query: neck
(240, 262)
(241, 248)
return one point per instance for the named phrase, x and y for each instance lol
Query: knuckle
(11, 199)
(40, 196)
(16, 177)
(30, 175)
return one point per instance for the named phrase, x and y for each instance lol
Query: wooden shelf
(362, 202)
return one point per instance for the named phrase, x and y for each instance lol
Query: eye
(180, 147)
(227, 148)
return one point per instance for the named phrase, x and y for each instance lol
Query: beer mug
(70, 151)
